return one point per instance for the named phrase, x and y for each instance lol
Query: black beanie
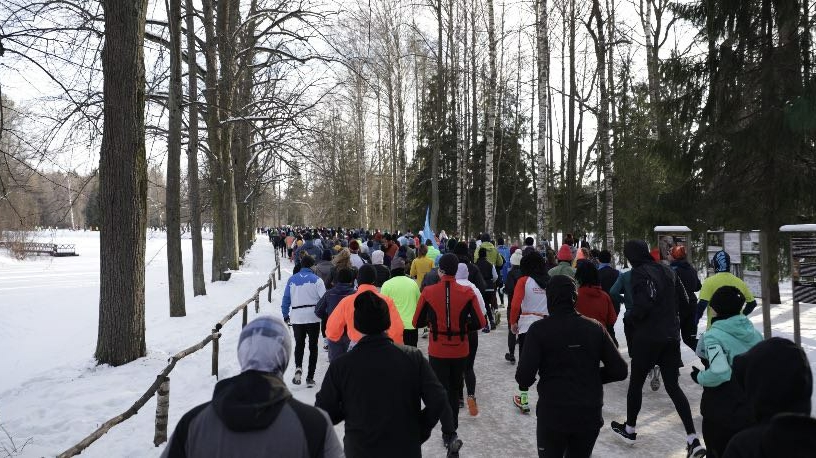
(727, 301)
(449, 263)
(345, 276)
(371, 315)
(367, 275)
(461, 249)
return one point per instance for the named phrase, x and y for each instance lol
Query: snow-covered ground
(52, 392)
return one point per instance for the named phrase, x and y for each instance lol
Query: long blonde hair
(343, 259)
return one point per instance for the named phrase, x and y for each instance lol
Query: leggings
(449, 371)
(470, 375)
(558, 444)
(520, 340)
(666, 355)
(410, 337)
(312, 330)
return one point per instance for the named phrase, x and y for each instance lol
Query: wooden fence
(162, 383)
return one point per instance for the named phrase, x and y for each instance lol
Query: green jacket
(622, 287)
(563, 268)
(726, 339)
(493, 255)
(405, 294)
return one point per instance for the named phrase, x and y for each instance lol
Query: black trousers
(312, 330)
(716, 435)
(450, 372)
(666, 355)
(470, 374)
(560, 444)
(520, 340)
(410, 337)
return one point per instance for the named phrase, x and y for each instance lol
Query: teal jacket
(719, 345)
(623, 287)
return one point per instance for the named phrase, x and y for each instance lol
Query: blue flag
(427, 233)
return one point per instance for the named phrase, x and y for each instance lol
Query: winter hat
(775, 377)
(561, 295)
(264, 346)
(564, 253)
(637, 252)
(307, 261)
(462, 271)
(485, 237)
(345, 276)
(377, 257)
(501, 241)
(461, 249)
(515, 258)
(529, 241)
(721, 262)
(367, 275)
(327, 255)
(482, 253)
(448, 264)
(586, 274)
(371, 315)
(678, 252)
(727, 301)
(605, 257)
(354, 245)
(398, 263)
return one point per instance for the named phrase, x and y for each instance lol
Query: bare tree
(491, 120)
(123, 186)
(542, 37)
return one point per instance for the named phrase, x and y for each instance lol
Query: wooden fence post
(274, 283)
(258, 302)
(216, 335)
(269, 288)
(279, 274)
(244, 317)
(162, 406)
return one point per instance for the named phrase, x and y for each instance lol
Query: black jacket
(486, 271)
(657, 296)
(474, 275)
(383, 275)
(566, 350)
(786, 435)
(377, 388)
(608, 276)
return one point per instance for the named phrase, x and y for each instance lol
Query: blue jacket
(303, 291)
(505, 252)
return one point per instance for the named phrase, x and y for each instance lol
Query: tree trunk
(193, 187)
(491, 120)
(123, 186)
(543, 104)
(572, 148)
(226, 24)
(440, 122)
(603, 124)
(175, 268)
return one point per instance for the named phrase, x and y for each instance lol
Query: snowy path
(57, 401)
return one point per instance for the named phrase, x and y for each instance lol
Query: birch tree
(491, 121)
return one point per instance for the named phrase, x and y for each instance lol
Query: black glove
(694, 372)
(286, 320)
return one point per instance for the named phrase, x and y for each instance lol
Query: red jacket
(593, 302)
(451, 311)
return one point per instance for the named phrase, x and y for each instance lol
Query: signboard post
(671, 236)
(803, 270)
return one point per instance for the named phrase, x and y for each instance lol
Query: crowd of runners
(368, 297)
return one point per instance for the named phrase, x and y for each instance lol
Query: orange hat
(564, 253)
(678, 252)
(655, 254)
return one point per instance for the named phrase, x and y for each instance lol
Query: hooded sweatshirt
(573, 356)
(253, 414)
(778, 383)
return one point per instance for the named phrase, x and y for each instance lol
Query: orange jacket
(342, 318)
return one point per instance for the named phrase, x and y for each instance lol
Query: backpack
(314, 427)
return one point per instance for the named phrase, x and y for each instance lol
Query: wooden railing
(162, 383)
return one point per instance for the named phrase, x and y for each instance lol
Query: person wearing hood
(777, 381)
(344, 286)
(450, 310)
(473, 345)
(383, 274)
(421, 265)
(405, 294)
(513, 275)
(300, 297)
(461, 251)
(691, 281)
(721, 262)
(356, 259)
(490, 276)
(341, 319)
(383, 414)
(493, 255)
(564, 266)
(657, 296)
(722, 404)
(309, 248)
(253, 414)
(528, 306)
(504, 252)
(573, 356)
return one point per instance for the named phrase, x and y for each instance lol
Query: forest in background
(605, 117)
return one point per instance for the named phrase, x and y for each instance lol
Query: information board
(803, 268)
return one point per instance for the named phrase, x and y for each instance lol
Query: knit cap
(564, 253)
